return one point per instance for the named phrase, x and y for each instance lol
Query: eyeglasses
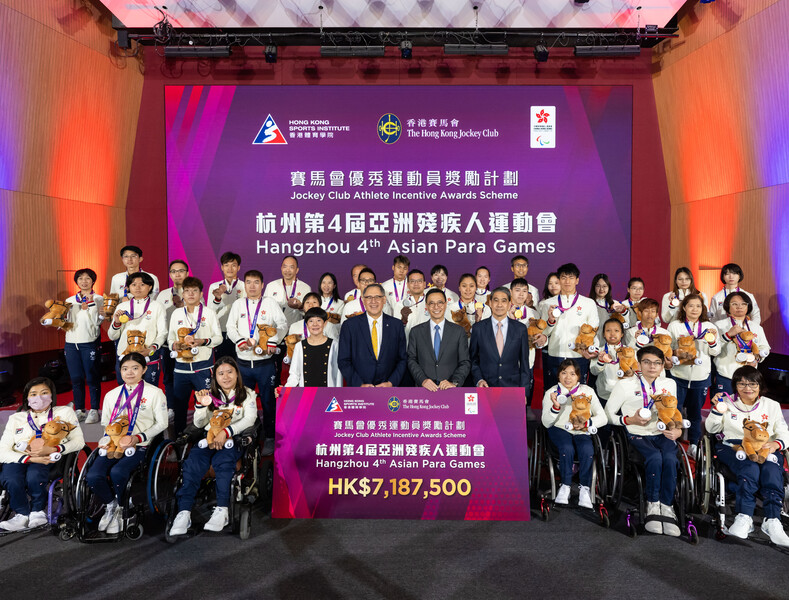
(651, 363)
(174, 271)
(366, 281)
(376, 298)
(752, 385)
(435, 304)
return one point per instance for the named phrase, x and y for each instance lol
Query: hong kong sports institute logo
(269, 134)
(389, 128)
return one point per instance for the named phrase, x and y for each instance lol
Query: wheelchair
(626, 489)
(544, 458)
(61, 491)
(716, 487)
(89, 509)
(166, 476)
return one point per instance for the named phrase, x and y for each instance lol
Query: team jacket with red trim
(627, 398)
(670, 313)
(276, 290)
(238, 329)
(564, 329)
(557, 418)
(726, 361)
(151, 418)
(244, 416)
(208, 330)
(605, 372)
(152, 322)
(704, 351)
(222, 307)
(716, 306)
(730, 421)
(86, 321)
(17, 429)
(118, 284)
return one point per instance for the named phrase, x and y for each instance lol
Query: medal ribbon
(690, 330)
(232, 287)
(144, 310)
(615, 357)
(402, 291)
(35, 427)
(293, 289)
(561, 308)
(644, 395)
(199, 319)
(131, 411)
(253, 323)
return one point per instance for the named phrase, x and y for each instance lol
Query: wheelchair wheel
(134, 531)
(615, 466)
(535, 459)
(5, 506)
(687, 471)
(244, 522)
(71, 476)
(704, 475)
(599, 479)
(163, 476)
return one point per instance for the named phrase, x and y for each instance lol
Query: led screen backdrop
(461, 176)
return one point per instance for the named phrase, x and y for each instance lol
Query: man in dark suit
(372, 345)
(437, 349)
(500, 347)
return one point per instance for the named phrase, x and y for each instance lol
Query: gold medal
(518, 313)
(479, 305)
(123, 318)
(709, 337)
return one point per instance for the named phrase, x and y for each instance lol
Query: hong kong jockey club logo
(394, 404)
(334, 406)
(269, 134)
(542, 116)
(389, 128)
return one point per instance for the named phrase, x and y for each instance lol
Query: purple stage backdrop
(401, 453)
(460, 176)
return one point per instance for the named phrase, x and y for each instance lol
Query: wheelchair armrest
(191, 435)
(248, 436)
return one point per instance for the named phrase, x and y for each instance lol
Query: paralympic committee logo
(389, 129)
(334, 406)
(394, 401)
(269, 134)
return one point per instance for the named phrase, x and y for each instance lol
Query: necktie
(437, 342)
(500, 339)
(375, 339)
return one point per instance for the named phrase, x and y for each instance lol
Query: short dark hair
(569, 363)
(284, 258)
(646, 303)
(732, 268)
(255, 274)
(438, 268)
(308, 295)
(682, 316)
(745, 298)
(374, 285)
(316, 311)
(31, 384)
(653, 350)
(229, 257)
(367, 270)
(609, 298)
(146, 279)
(519, 281)
(177, 260)
(136, 249)
(414, 272)
(618, 322)
(518, 257)
(434, 290)
(85, 271)
(136, 357)
(502, 289)
(568, 269)
(193, 282)
(241, 391)
(335, 292)
(401, 259)
(749, 373)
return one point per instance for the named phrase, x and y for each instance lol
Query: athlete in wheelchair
(571, 417)
(648, 469)
(37, 479)
(745, 455)
(222, 444)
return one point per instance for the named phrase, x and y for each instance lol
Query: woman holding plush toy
(694, 340)
(27, 451)
(744, 342)
(227, 393)
(757, 469)
(575, 412)
(683, 285)
(142, 407)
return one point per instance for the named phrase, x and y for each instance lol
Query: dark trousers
(226, 348)
(22, 479)
(196, 466)
(660, 456)
(168, 368)
(691, 396)
(82, 361)
(263, 375)
(568, 444)
(550, 369)
(723, 384)
(119, 471)
(183, 385)
(752, 477)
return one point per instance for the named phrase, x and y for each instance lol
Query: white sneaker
(116, 522)
(653, 526)
(742, 526)
(93, 416)
(563, 497)
(775, 531)
(18, 523)
(584, 497)
(81, 414)
(219, 519)
(170, 415)
(109, 512)
(672, 528)
(37, 519)
(181, 523)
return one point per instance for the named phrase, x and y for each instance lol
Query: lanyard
(568, 395)
(328, 306)
(232, 287)
(253, 323)
(144, 310)
(698, 335)
(650, 334)
(306, 333)
(199, 319)
(741, 343)
(35, 427)
(84, 299)
(615, 358)
(605, 305)
(646, 399)
(401, 294)
(733, 402)
(293, 289)
(133, 399)
(561, 308)
(416, 303)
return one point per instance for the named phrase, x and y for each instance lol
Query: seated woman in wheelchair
(631, 406)
(755, 473)
(227, 392)
(144, 406)
(571, 437)
(26, 459)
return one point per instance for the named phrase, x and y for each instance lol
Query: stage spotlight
(608, 51)
(352, 51)
(476, 49)
(271, 54)
(406, 49)
(541, 53)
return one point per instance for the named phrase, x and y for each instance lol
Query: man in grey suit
(437, 349)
